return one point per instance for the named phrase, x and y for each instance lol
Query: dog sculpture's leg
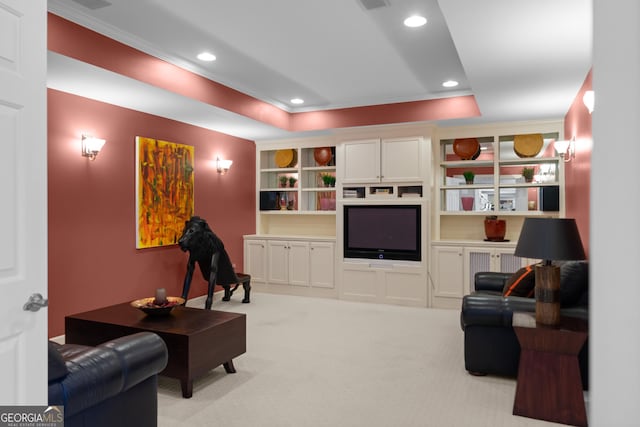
(187, 279)
(212, 280)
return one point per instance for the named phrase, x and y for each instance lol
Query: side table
(549, 384)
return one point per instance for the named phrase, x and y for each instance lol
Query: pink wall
(578, 172)
(93, 261)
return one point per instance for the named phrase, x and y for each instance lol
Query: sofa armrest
(484, 309)
(141, 355)
(491, 281)
(99, 373)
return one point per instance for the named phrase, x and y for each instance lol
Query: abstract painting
(164, 191)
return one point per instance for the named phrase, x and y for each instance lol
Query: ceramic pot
(495, 229)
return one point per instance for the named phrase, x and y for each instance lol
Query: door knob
(35, 303)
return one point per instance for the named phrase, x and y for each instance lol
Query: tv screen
(382, 232)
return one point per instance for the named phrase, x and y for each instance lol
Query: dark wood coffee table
(198, 340)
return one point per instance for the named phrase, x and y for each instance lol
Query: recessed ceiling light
(297, 101)
(450, 83)
(206, 56)
(415, 21)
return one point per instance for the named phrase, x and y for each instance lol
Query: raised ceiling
(522, 60)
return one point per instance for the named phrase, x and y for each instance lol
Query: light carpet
(321, 362)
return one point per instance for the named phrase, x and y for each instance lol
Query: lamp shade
(550, 239)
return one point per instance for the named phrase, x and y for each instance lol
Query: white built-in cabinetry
(455, 264)
(298, 249)
(459, 249)
(393, 171)
(382, 160)
(291, 264)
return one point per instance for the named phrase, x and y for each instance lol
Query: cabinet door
(401, 159)
(321, 264)
(506, 262)
(476, 260)
(298, 263)
(488, 259)
(361, 162)
(448, 272)
(278, 261)
(255, 262)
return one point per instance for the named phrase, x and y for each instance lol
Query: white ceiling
(521, 59)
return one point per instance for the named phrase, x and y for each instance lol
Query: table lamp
(549, 239)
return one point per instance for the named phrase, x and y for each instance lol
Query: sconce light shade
(589, 100)
(565, 149)
(223, 165)
(91, 146)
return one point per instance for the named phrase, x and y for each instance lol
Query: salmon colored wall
(93, 261)
(578, 171)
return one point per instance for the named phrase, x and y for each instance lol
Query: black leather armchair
(112, 384)
(490, 343)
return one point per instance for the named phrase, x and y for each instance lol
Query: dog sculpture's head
(195, 234)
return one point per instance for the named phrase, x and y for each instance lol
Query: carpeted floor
(319, 362)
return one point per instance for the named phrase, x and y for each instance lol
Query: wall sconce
(223, 165)
(589, 100)
(91, 146)
(566, 149)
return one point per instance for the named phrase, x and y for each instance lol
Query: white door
(448, 272)
(23, 191)
(298, 263)
(401, 159)
(255, 263)
(361, 161)
(321, 264)
(278, 261)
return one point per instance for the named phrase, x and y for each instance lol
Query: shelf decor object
(286, 158)
(549, 239)
(466, 148)
(528, 145)
(322, 155)
(495, 228)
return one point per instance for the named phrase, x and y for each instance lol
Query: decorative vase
(283, 201)
(495, 228)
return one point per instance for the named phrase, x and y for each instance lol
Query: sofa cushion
(521, 283)
(574, 283)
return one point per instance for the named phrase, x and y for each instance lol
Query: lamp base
(547, 294)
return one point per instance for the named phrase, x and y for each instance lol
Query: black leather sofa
(112, 384)
(490, 343)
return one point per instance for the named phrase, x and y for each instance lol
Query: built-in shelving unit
(499, 187)
(458, 247)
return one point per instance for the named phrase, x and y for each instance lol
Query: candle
(161, 296)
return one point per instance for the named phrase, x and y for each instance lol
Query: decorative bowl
(528, 145)
(286, 158)
(322, 155)
(466, 148)
(149, 306)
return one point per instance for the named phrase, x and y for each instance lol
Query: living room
(93, 202)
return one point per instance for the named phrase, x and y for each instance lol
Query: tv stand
(384, 281)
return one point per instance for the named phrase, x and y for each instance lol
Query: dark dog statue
(207, 250)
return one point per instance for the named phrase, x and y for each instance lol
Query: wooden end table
(549, 384)
(198, 340)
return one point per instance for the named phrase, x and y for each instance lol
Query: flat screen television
(383, 232)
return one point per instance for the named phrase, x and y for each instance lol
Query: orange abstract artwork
(164, 191)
